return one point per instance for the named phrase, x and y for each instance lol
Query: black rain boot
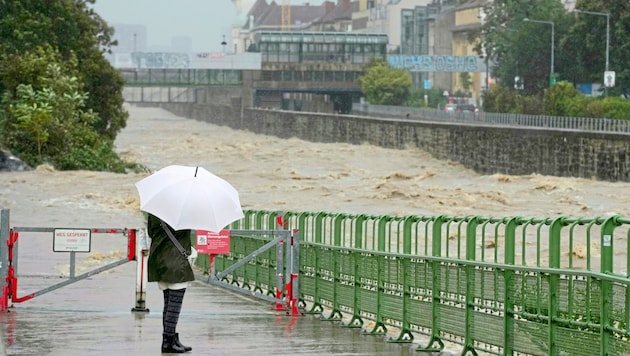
(169, 345)
(176, 341)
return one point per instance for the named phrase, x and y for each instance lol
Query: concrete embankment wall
(485, 149)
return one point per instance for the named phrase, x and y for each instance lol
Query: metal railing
(542, 121)
(508, 285)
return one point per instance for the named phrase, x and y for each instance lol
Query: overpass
(315, 71)
(294, 87)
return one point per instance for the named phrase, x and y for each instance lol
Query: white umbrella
(190, 198)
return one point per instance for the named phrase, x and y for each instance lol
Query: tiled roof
(259, 7)
(342, 11)
(306, 14)
(270, 14)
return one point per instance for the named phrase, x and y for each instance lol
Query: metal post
(72, 264)
(279, 276)
(4, 259)
(607, 36)
(607, 48)
(135, 54)
(294, 264)
(553, 40)
(553, 35)
(487, 72)
(142, 257)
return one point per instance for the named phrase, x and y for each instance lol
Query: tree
(585, 43)
(61, 99)
(73, 29)
(466, 81)
(557, 98)
(48, 121)
(384, 85)
(522, 48)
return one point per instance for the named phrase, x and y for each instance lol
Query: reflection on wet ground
(93, 317)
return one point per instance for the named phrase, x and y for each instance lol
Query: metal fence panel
(498, 285)
(559, 122)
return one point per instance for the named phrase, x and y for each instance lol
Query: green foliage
(523, 49)
(528, 104)
(561, 99)
(616, 108)
(499, 99)
(583, 106)
(61, 99)
(50, 123)
(555, 100)
(520, 48)
(585, 43)
(434, 98)
(33, 114)
(594, 109)
(384, 85)
(505, 100)
(466, 80)
(99, 156)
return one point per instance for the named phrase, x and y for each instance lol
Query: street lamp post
(224, 44)
(553, 38)
(486, 55)
(607, 32)
(487, 73)
(135, 55)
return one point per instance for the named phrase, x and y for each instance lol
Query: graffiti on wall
(160, 60)
(437, 63)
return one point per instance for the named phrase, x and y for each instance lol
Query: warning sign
(609, 79)
(213, 243)
(72, 240)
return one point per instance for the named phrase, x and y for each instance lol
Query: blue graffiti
(437, 63)
(160, 60)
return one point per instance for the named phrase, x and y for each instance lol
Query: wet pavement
(94, 317)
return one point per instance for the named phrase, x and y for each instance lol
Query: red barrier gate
(72, 241)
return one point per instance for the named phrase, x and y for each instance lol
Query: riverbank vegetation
(60, 100)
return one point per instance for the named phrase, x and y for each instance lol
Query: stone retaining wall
(485, 149)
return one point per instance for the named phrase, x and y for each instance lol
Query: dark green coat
(166, 262)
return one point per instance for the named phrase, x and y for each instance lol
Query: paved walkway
(93, 317)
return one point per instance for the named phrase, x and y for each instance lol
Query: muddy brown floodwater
(288, 175)
(294, 175)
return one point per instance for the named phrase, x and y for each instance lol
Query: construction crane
(286, 15)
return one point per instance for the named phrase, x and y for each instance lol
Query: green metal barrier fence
(496, 285)
(258, 275)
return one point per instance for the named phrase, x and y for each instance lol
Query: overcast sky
(206, 21)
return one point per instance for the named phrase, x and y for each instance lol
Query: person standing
(168, 265)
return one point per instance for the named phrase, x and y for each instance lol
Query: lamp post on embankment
(552, 79)
(606, 71)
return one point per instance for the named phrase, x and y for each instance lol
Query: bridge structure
(315, 71)
(290, 70)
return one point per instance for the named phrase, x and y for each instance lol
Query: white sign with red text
(72, 240)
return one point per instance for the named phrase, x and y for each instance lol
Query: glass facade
(414, 36)
(415, 30)
(320, 47)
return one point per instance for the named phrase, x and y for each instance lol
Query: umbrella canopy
(190, 198)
